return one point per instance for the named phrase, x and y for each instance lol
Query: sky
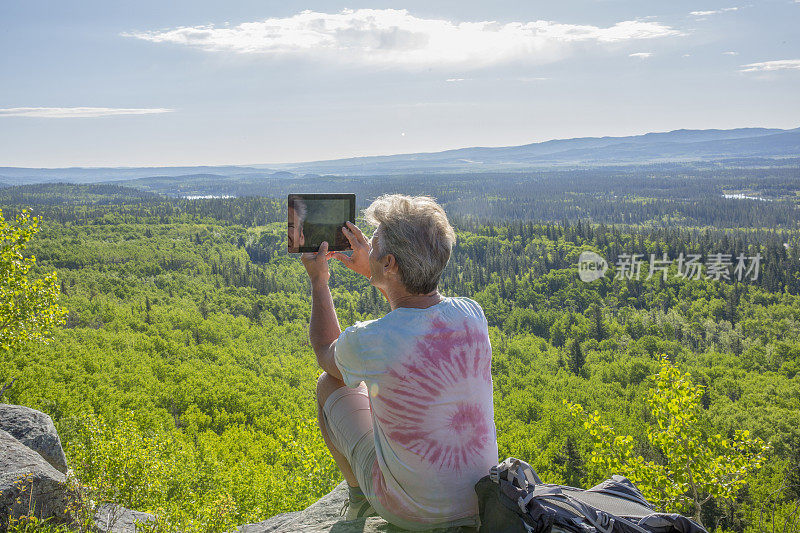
(195, 82)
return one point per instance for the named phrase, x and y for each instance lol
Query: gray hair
(416, 231)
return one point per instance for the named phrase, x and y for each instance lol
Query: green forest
(181, 378)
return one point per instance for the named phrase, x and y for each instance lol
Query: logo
(591, 266)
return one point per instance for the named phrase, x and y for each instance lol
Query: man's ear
(390, 265)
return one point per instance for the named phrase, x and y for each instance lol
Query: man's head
(296, 216)
(416, 233)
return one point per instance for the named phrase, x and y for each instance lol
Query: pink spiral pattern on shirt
(425, 404)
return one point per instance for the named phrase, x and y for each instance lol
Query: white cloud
(395, 37)
(76, 112)
(731, 53)
(641, 55)
(768, 66)
(521, 79)
(715, 12)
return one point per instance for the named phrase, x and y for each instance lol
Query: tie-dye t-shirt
(428, 373)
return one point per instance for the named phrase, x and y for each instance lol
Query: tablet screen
(314, 218)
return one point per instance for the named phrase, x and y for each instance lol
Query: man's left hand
(317, 264)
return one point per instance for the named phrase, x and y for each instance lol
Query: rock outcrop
(111, 518)
(29, 485)
(33, 481)
(35, 430)
(32, 474)
(323, 516)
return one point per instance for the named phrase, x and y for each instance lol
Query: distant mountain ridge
(678, 145)
(20, 175)
(560, 145)
(658, 147)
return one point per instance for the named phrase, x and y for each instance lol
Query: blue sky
(124, 83)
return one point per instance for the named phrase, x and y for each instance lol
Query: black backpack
(512, 499)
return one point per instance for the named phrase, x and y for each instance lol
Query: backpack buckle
(497, 470)
(523, 502)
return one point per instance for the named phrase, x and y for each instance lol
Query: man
(296, 217)
(405, 401)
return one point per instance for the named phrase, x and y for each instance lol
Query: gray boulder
(28, 484)
(323, 516)
(35, 430)
(112, 518)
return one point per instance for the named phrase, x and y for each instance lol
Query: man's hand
(358, 261)
(317, 264)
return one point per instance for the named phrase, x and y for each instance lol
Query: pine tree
(598, 326)
(557, 335)
(574, 467)
(792, 472)
(204, 306)
(576, 357)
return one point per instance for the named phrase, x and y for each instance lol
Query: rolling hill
(742, 145)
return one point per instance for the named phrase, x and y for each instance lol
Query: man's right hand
(358, 261)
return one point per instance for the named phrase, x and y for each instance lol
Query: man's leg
(326, 385)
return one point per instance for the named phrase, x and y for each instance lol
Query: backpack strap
(601, 520)
(524, 501)
(517, 470)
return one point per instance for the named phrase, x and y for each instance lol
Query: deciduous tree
(29, 307)
(698, 465)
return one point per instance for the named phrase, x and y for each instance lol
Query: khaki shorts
(348, 417)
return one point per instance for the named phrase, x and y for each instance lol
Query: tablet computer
(314, 218)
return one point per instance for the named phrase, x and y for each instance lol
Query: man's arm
(324, 327)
